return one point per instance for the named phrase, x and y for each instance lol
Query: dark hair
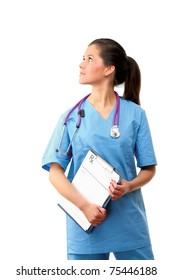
(126, 69)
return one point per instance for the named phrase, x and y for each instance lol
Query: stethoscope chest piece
(115, 133)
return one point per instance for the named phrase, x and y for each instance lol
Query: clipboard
(92, 180)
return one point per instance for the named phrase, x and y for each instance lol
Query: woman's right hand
(95, 214)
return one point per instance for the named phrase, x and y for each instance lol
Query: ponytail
(132, 82)
(126, 69)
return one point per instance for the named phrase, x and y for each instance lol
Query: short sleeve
(144, 149)
(50, 155)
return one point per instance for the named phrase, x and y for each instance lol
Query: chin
(82, 82)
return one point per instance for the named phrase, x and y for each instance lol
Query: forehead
(92, 50)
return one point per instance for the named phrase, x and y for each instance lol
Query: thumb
(102, 210)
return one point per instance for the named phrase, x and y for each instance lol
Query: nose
(81, 65)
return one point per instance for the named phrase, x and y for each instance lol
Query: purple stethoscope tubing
(79, 104)
(115, 122)
(116, 117)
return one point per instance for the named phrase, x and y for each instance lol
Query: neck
(102, 99)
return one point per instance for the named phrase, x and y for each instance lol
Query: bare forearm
(64, 187)
(94, 213)
(144, 177)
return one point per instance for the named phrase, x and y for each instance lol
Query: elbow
(153, 170)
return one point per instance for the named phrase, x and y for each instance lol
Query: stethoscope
(114, 131)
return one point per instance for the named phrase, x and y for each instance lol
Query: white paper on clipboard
(92, 180)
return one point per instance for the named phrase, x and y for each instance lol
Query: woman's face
(92, 68)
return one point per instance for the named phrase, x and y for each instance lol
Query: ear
(109, 70)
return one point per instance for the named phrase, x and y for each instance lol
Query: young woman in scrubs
(122, 227)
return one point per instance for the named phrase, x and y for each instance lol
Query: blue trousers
(144, 253)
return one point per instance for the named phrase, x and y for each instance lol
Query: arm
(94, 213)
(145, 175)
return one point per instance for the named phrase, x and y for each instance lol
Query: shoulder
(129, 105)
(69, 116)
(132, 111)
(68, 113)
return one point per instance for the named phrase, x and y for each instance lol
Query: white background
(42, 44)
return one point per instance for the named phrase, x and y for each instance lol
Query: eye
(90, 58)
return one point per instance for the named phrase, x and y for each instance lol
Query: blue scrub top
(125, 227)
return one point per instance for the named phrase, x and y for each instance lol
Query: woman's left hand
(117, 191)
(144, 176)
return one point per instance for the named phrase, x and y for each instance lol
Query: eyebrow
(88, 55)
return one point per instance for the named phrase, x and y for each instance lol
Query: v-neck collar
(97, 112)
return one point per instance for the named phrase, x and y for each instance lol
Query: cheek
(97, 71)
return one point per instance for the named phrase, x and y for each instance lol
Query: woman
(122, 227)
